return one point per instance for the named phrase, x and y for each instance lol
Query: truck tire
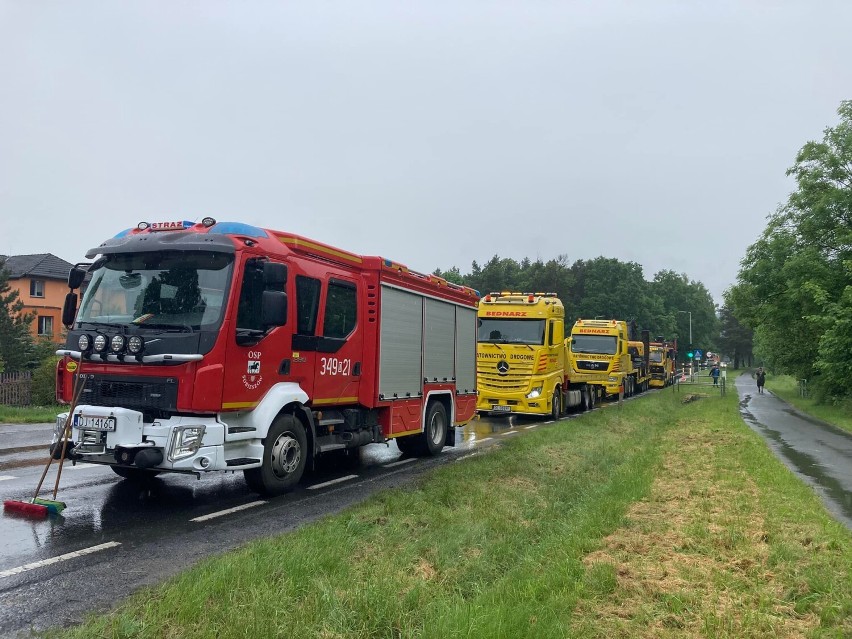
(285, 451)
(435, 429)
(134, 474)
(434, 436)
(556, 404)
(410, 445)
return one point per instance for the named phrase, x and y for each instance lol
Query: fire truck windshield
(164, 289)
(599, 344)
(511, 331)
(656, 356)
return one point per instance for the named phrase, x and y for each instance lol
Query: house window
(36, 288)
(45, 325)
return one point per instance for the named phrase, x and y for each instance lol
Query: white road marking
(550, 422)
(529, 427)
(55, 560)
(510, 432)
(399, 463)
(5, 477)
(228, 511)
(332, 482)
(482, 441)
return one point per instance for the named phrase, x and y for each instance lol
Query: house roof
(44, 265)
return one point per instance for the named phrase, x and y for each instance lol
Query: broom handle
(78, 390)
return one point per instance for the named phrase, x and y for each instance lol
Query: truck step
(242, 461)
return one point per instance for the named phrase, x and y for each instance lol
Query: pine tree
(16, 342)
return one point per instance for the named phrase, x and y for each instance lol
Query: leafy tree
(453, 275)
(681, 297)
(610, 288)
(795, 284)
(16, 342)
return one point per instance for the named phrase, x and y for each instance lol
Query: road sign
(697, 354)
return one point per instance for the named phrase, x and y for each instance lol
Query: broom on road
(38, 507)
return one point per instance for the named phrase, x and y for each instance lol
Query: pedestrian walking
(761, 379)
(714, 373)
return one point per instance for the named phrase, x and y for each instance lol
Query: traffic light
(689, 354)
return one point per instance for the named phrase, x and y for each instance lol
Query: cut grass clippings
(656, 519)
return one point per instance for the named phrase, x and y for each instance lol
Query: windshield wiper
(171, 328)
(110, 324)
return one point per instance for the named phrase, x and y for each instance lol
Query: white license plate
(499, 408)
(90, 422)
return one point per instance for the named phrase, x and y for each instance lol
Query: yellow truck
(605, 348)
(663, 362)
(522, 357)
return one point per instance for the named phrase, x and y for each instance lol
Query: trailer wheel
(134, 474)
(435, 432)
(284, 458)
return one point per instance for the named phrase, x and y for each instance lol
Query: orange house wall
(49, 305)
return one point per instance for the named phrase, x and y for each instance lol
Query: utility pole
(690, 342)
(690, 326)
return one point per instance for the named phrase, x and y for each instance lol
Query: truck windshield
(657, 356)
(599, 344)
(511, 331)
(180, 289)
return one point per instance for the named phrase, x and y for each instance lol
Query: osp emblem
(502, 367)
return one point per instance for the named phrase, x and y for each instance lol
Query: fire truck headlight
(84, 343)
(100, 343)
(116, 344)
(613, 379)
(135, 344)
(186, 440)
(535, 392)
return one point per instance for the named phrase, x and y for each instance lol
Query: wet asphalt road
(116, 536)
(820, 454)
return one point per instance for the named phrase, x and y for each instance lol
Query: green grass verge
(29, 414)
(659, 519)
(787, 388)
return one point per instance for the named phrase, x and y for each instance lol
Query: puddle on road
(836, 498)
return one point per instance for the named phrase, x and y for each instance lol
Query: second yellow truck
(607, 349)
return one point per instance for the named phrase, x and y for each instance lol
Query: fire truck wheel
(556, 404)
(410, 445)
(435, 433)
(134, 474)
(284, 457)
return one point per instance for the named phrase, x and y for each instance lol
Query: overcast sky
(434, 133)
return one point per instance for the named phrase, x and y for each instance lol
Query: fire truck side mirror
(75, 277)
(274, 275)
(69, 309)
(273, 308)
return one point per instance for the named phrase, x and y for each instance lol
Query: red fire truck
(222, 346)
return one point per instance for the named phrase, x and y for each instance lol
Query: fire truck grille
(146, 394)
(586, 365)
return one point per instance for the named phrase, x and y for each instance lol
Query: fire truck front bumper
(118, 436)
